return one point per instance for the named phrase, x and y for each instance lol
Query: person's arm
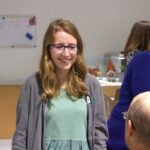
(101, 131)
(141, 72)
(19, 141)
(136, 80)
(126, 93)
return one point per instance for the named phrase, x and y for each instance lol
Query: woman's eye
(59, 46)
(72, 47)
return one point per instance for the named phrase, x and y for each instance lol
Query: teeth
(65, 61)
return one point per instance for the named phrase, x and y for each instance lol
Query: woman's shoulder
(33, 80)
(91, 80)
(90, 77)
(32, 77)
(142, 56)
(131, 54)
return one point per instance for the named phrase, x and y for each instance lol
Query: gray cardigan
(29, 134)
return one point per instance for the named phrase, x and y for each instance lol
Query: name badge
(88, 99)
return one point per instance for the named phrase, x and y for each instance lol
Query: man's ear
(130, 127)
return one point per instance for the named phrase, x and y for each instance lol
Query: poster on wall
(17, 31)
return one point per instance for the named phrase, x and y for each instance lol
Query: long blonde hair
(139, 37)
(75, 83)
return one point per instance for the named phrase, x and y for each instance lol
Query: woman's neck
(62, 77)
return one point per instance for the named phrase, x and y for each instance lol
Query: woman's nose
(66, 51)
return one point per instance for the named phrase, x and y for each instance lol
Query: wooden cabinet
(8, 101)
(110, 91)
(111, 95)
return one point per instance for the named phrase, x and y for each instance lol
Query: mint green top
(66, 123)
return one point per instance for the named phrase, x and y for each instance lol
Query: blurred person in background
(136, 80)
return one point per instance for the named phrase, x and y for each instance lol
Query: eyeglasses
(125, 115)
(61, 47)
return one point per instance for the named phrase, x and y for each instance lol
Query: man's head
(137, 131)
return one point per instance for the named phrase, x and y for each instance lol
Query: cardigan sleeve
(20, 136)
(101, 132)
(98, 132)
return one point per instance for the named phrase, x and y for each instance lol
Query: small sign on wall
(17, 31)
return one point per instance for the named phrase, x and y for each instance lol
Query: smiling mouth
(65, 61)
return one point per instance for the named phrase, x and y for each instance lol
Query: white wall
(104, 26)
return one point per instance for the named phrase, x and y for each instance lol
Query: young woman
(61, 107)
